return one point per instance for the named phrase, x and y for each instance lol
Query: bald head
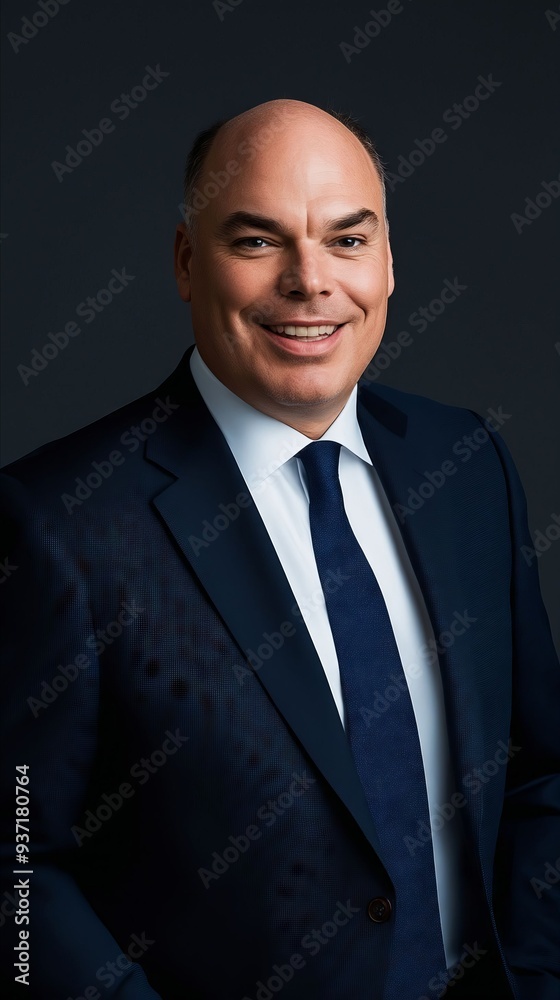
(220, 151)
(278, 115)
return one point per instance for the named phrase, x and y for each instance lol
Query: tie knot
(320, 460)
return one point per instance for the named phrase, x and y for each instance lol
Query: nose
(307, 275)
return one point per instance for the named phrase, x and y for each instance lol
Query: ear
(390, 275)
(183, 255)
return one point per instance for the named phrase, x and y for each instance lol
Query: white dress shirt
(265, 451)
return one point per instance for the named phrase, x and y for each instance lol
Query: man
(284, 682)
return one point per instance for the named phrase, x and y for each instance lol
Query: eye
(352, 239)
(254, 239)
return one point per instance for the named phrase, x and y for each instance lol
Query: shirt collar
(261, 444)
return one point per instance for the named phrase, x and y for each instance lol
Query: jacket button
(379, 909)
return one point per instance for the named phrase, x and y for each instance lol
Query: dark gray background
(495, 346)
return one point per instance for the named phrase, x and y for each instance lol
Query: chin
(310, 396)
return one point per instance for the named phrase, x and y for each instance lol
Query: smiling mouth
(304, 332)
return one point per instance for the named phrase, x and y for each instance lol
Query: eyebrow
(238, 221)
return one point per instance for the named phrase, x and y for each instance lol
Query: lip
(305, 347)
(305, 322)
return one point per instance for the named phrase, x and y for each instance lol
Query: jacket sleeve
(527, 868)
(50, 691)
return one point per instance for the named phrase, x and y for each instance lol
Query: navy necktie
(384, 745)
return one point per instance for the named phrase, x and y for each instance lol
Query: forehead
(282, 165)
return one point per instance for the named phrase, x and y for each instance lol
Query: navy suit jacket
(197, 822)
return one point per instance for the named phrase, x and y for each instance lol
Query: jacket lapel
(436, 540)
(244, 579)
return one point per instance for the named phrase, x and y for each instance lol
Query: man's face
(294, 258)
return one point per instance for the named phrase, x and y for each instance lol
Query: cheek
(235, 288)
(214, 278)
(371, 277)
(373, 286)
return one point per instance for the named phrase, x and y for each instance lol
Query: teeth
(304, 332)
